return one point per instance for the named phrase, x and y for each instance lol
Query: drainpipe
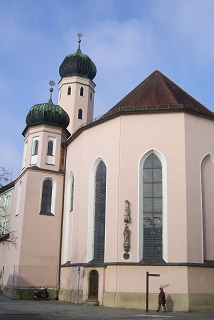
(62, 216)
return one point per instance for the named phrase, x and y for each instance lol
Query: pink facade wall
(121, 143)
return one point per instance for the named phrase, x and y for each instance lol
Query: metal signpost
(147, 287)
(78, 282)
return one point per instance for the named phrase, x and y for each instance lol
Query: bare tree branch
(7, 237)
(5, 176)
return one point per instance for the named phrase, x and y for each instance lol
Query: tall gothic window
(100, 210)
(152, 208)
(46, 197)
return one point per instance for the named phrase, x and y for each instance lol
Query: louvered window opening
(152, 208)
(50, 148)
(35, 147)
(100, 210)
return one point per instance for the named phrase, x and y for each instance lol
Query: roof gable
(158, 90)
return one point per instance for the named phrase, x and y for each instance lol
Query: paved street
(52, 310)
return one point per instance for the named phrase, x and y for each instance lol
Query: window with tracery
(100, 211)
(152, 208)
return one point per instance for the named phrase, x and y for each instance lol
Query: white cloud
(189, 27)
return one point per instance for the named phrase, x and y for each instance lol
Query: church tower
(76, 88)
(39, 199)
(44, 135)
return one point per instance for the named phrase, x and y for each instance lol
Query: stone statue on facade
(127, 212)
(126, 234)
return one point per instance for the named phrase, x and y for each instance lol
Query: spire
(51, 83)
(79, 41)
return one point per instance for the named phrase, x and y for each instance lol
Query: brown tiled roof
(158, 91)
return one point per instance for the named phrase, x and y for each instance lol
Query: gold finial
(51, 83)
(80, 36)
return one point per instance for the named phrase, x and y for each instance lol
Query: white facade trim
(66, 255)
(202, 205)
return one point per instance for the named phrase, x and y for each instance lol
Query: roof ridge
(185, 92)
(147, 81)
(167, 87)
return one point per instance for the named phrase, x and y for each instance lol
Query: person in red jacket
(161, 300)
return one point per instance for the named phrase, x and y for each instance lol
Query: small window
(69, 91)
(91, 95)
(7, 201)
(4, 229)
(46, 197)
(51, 151)
(81, 91)
(50, 148)
(80, 114)
(35, 147)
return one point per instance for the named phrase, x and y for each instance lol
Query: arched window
(35, 147)
(91, 95)
(46, 202)
(152, 208)
(207, 189)
(81, 91)
(72, 194)
(34, 151)
(100, 211)
(80, 114)
(50, 148)
(69, 91)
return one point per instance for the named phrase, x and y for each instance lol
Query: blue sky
(126, 39)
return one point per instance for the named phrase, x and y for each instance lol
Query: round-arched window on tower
(69, 91)
(80, 114)
(81, 91)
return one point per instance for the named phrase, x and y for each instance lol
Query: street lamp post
(147, 287)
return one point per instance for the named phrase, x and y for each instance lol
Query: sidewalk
(53, 310)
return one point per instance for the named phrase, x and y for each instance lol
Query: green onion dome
(78, 64)
(47, 113)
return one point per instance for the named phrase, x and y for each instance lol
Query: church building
(101, 206)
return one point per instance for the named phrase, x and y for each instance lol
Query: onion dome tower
(76, 87)
(78, 64)
(44, 134)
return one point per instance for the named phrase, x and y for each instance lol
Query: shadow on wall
(169, 303)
